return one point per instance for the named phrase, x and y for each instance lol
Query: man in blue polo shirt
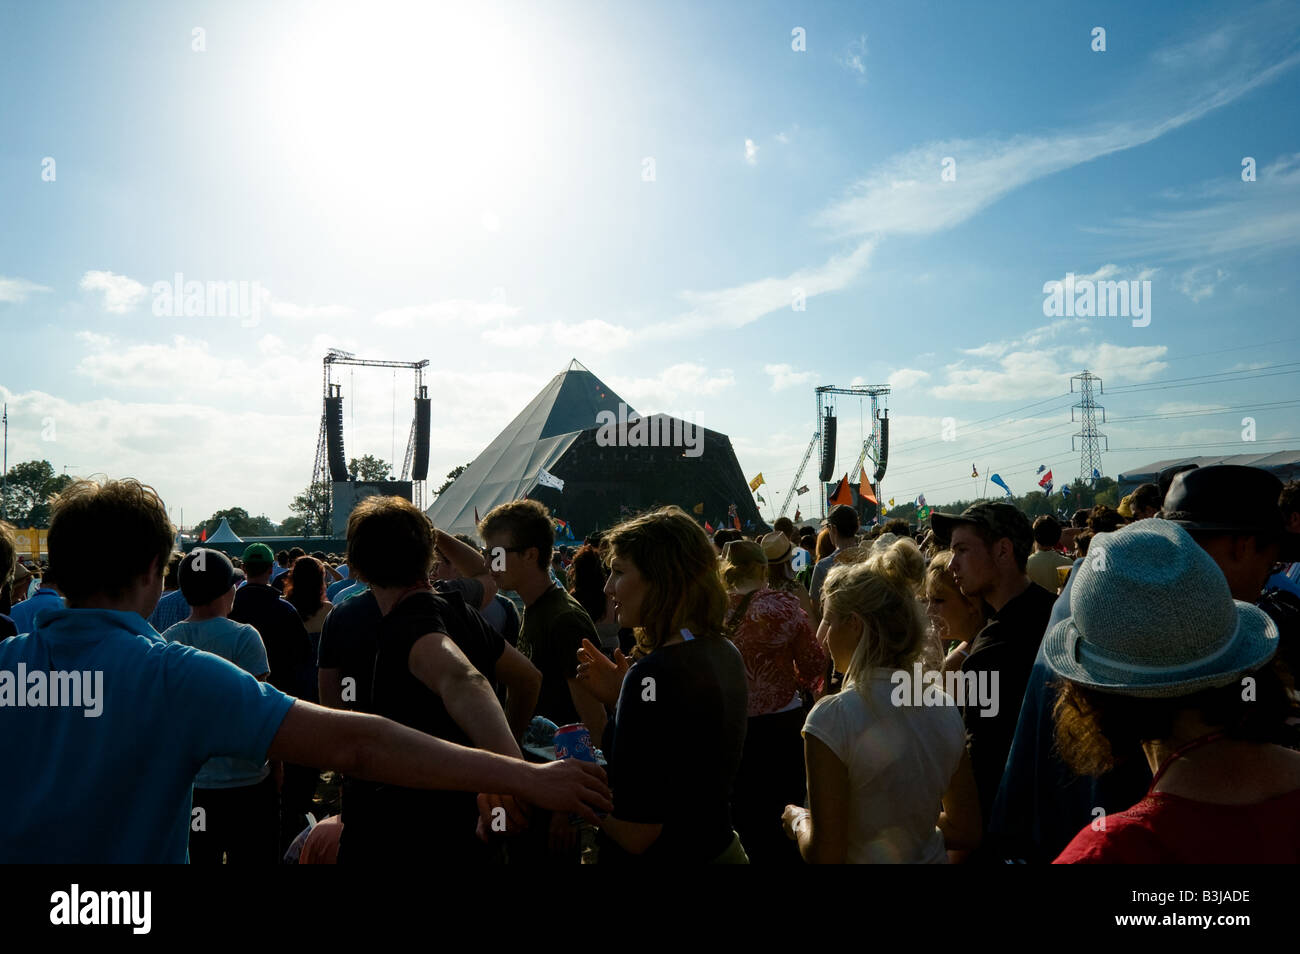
(47, 597)
(106, 724)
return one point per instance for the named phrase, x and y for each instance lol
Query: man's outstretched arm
(374, 748)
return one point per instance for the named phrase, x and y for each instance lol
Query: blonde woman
(955, 619)
(887, 783)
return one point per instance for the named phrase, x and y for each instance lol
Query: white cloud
(855, 57)
(681, 386)
(784, 376)
(1021, 374)
(16, 290)
(751, 152)
(782, 138)
(93, 341)
(906, 377)
(121, 294)
(1197, 283)
(592, 335)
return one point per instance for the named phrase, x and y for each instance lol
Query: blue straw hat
(1151, 615)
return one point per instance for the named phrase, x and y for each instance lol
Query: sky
(714, 207)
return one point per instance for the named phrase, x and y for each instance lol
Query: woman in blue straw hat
(1157, 652)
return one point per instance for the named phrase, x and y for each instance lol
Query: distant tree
(313, 506)
(369, 468)
(28, 488)
(293, 527)
(451, 478)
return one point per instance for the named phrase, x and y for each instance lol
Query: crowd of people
(979, 690)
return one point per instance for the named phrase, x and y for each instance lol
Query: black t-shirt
(552, 633)
(347, 643)
(673, 754)
(385, 823)
(1007, 645)
(288, 647)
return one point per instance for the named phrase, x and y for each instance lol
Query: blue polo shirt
(115, 788)
(24, 614)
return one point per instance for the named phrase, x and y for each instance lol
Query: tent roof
(1276, 460)
(507, 469)
(223, 534)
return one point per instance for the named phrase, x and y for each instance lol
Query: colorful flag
(1096, 474)
(1065, 492)
(699, 508)
(802, 490)
(757, 481)
(735, 516)
(920, 500)
(760, 499)
(842, 493)
(1001, 483)
(1047, 479)
(1041, 468)
(547, 479)
(203, 537)
(891, 501)
(923, 514)
(797, 518)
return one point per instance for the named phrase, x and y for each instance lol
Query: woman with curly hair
(888, 781)
(675, 741)
(1157, 653)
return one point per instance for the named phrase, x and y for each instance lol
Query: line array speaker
(884, 450)
(828, 448)
(423, 423)
(334, 438)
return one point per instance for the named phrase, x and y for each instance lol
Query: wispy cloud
(854, 57)
(460, 312)
(16, 290)
(120, 294)
(906, 377)
(784, 376)
(751, 152)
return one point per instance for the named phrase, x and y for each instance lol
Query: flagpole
(985, 495)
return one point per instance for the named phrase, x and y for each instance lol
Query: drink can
(574, 742)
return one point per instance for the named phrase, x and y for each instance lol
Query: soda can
(574, 742)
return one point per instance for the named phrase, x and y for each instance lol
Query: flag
(1001, 483)
(1046, 482)
(1041, 468)
(920, 500)
(1096, 474)
(203, 537)
(891, 501)
(735, 517)
(757, 481)
(922, 514)
(797, 518)
(707, 528)
(760, 499)
(842, 494)
(974, 471)
(802, 490)
(1065, 492)
(699, 508)
(547, 479)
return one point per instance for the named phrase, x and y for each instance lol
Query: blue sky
(465, 183)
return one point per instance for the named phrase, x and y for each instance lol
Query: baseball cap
(999, 519)
(204, 575)
(258, 553)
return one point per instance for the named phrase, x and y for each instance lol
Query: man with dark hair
(1103, 519)
(519, 536)
(1080, 518)
(1145, 501)
(279, 581)
(172, 608)
(990, 546)
(281, 565)
(843, 523)
(1044, 561)
(171, 708)
(435, 663)
(898, 527)
(47, 597)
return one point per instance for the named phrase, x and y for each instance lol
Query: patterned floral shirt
(780, 650)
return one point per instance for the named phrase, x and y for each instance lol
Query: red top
(780, 650)
(1170, 829)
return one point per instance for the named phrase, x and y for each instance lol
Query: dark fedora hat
(1229, 498)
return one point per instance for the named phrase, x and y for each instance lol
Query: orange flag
(842, 494)
(865, 492)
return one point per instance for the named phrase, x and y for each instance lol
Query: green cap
(258, 553)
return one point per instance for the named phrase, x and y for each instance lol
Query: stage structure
(331, 466)
(874, 446)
